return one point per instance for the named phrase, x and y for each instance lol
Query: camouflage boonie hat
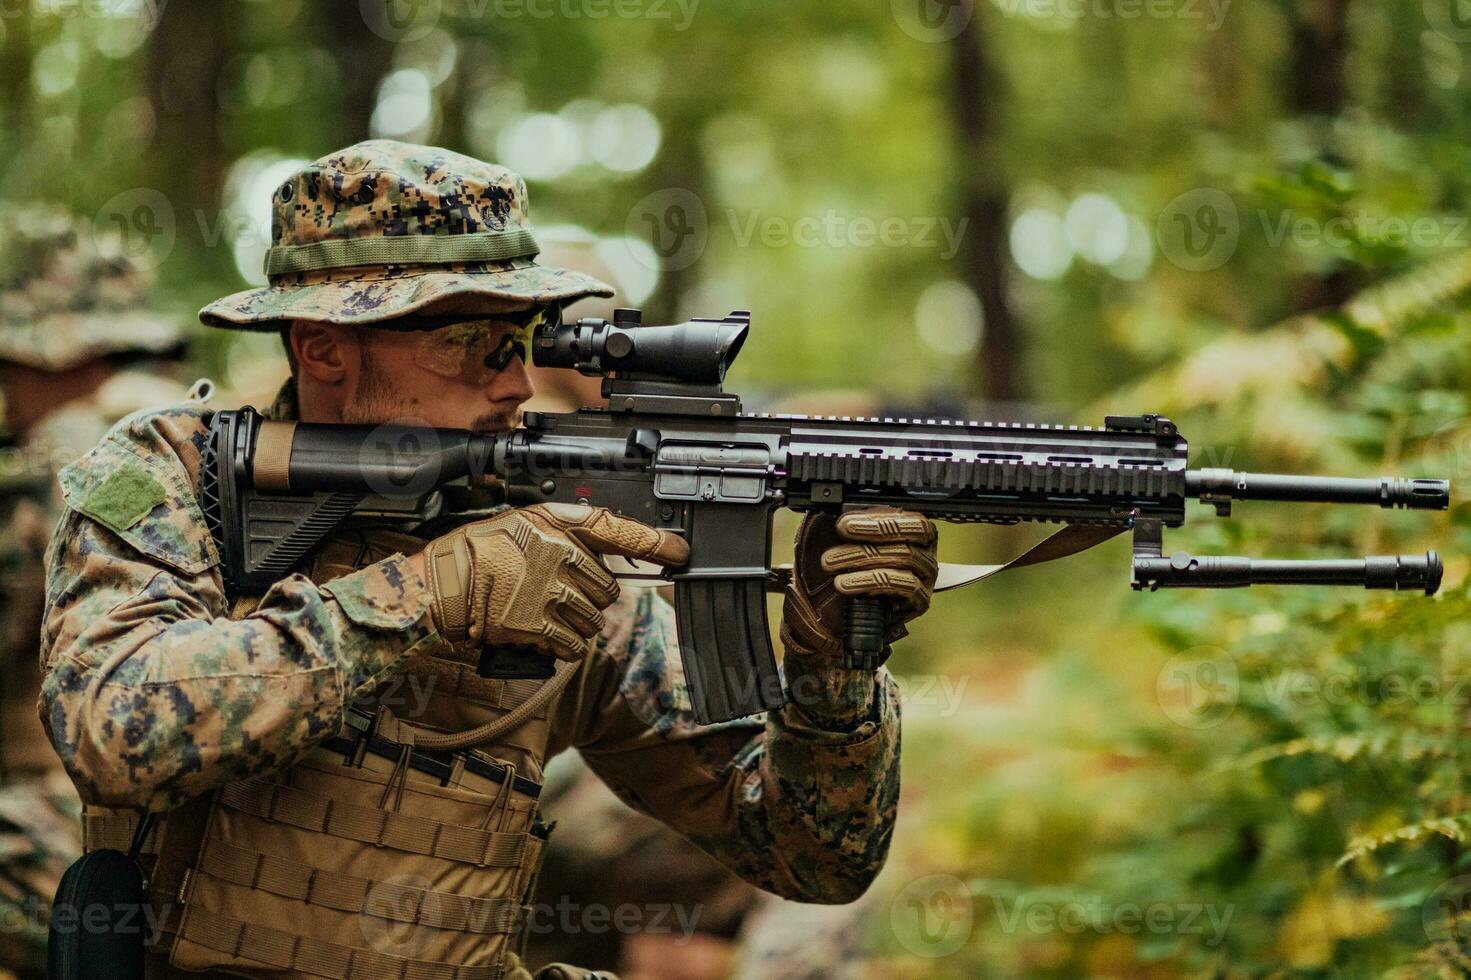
(382, 229)
(68, 295)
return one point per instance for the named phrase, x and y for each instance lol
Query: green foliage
(1316, 791)
(1290, 761)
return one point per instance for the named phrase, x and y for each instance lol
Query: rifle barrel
(1217, 485)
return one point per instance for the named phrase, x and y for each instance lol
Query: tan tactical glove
(878, 551)
(531, 576)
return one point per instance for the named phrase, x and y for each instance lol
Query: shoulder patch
(124, 498)
(138, 482)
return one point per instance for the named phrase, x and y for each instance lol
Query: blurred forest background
(1250, 217)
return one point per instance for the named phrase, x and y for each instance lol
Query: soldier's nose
(512, 382)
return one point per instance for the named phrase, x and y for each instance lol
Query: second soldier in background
(76, 336)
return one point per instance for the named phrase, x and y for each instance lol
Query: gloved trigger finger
(614, 535)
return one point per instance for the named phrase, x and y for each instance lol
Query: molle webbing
(316, 957)
(114, 829)
(350, 893)
(256, 897)
(276, 803)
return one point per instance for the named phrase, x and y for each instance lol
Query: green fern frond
(1454, 828)
(1346, 748)
(1296, 354)
(1442, 961)
(1389, 306)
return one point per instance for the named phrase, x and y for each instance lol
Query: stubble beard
(379, 402)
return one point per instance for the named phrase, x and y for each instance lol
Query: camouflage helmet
(383, 229)
(68, 295)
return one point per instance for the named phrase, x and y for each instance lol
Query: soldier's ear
(325, 352)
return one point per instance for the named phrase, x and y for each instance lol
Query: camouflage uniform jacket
(153, 696)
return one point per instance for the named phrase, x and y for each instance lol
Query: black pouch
(99, 922)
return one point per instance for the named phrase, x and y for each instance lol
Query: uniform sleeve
(152, 694)
(801, 810)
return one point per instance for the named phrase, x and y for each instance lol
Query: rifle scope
(694, 352)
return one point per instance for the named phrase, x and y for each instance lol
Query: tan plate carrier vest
(398, 850)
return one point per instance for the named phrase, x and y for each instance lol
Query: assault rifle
(675, 450)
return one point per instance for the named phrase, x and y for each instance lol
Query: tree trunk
(984, 205)
(187, 55)
(1319, 87)
(450, 133)
(363, 58)
(1320, 41)
(15, 89)
(679, 167)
